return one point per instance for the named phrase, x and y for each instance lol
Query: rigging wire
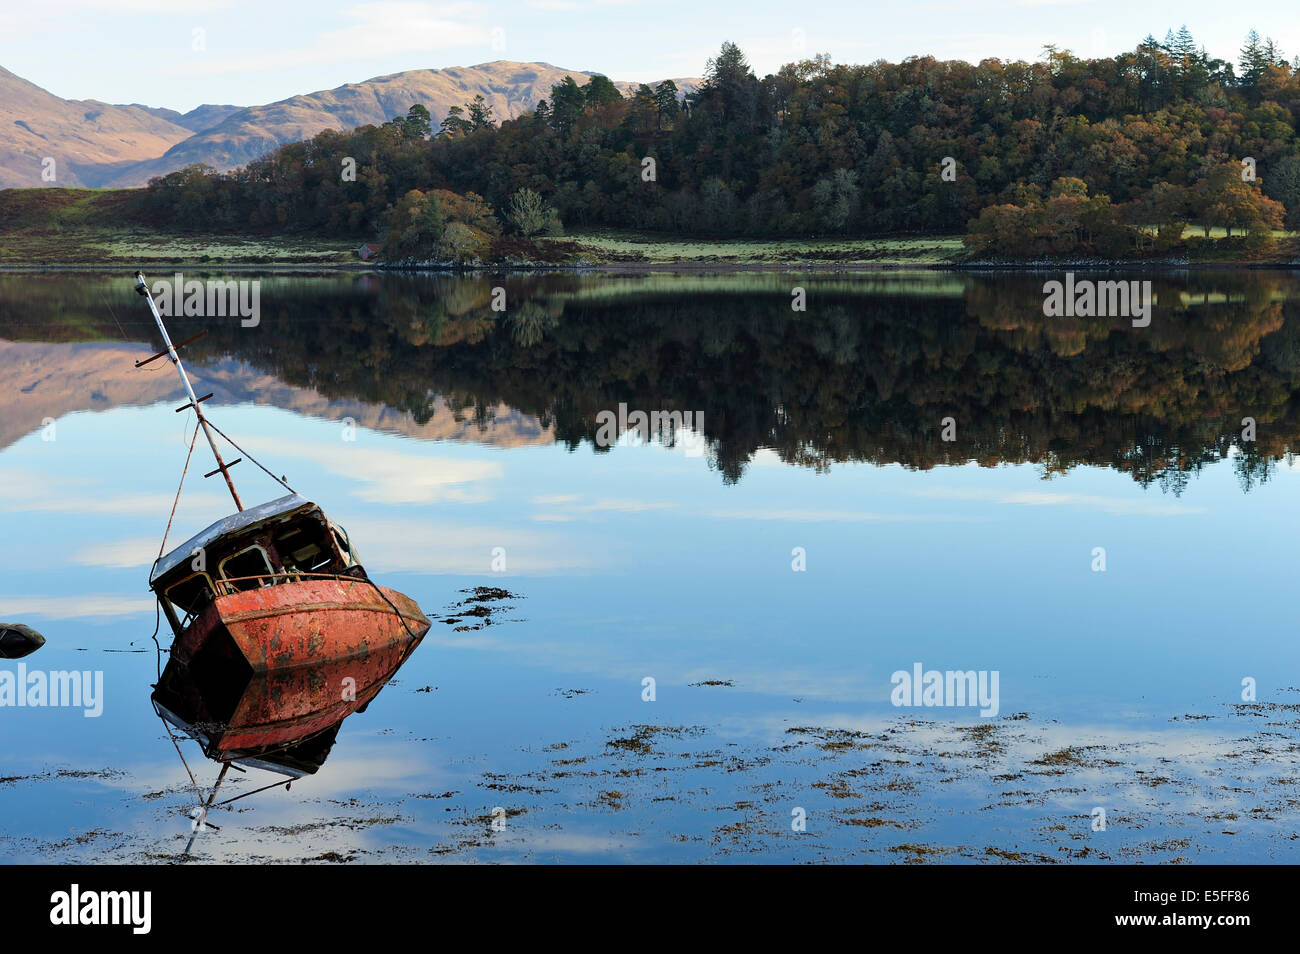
(278, 480)
(286, 783)
(108, 304)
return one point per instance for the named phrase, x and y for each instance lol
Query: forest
(1112, 155)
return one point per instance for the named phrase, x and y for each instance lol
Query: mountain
(197, 119)
(95, 144)
(511, 89)
(89, 141)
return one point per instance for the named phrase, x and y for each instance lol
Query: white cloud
(570, 509)
(28, 490)
(391, 477)
(137, 551)
(386, 28)
(1036, 498)
(831, 516)
(417, 546)
(76, 606)
(27, 20)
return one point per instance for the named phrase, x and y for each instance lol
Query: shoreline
(649, 267)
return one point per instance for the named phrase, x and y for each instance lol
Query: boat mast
(142, 288)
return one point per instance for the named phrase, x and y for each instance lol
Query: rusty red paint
(264, 669)
(303, 622)
(257, 715)
(286, 705)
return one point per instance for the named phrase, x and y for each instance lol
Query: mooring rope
(177, 501)
(157, 623)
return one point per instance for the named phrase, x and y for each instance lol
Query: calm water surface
(769, 572)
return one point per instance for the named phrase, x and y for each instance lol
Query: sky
(180, 54)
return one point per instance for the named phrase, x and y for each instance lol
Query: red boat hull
(304, 622)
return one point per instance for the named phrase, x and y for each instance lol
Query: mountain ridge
(133, 143)
(83, 137)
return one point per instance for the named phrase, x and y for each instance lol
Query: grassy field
(108, 247)
(49, 227)
(652, 249)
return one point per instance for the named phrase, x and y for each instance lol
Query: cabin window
(247, 570)
(350, 557)
(305, 548)
(189, 596)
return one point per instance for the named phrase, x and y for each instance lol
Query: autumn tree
(415, 226)
(1223, 199)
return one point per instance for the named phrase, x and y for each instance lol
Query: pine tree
(480, 113)
(418, 123)
(567, 103)
(666, 100)
(729, 78)
(1272, 55)
(1252, 61)
(601, 90)
(455, 124)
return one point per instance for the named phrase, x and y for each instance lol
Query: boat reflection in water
(283, 720)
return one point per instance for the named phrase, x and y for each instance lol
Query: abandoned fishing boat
(279, 634)
(273, 586)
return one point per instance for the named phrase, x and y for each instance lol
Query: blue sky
(257, 52)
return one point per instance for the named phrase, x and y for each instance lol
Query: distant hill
(88, 140)
(119, 146)
(197, 119)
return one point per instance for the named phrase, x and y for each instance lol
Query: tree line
(818, 149)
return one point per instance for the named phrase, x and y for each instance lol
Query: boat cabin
(284, 540)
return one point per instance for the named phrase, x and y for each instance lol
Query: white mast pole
(142, 288)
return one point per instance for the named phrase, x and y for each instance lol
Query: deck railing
(224, 587)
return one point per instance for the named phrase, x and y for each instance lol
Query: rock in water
(17, 640)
